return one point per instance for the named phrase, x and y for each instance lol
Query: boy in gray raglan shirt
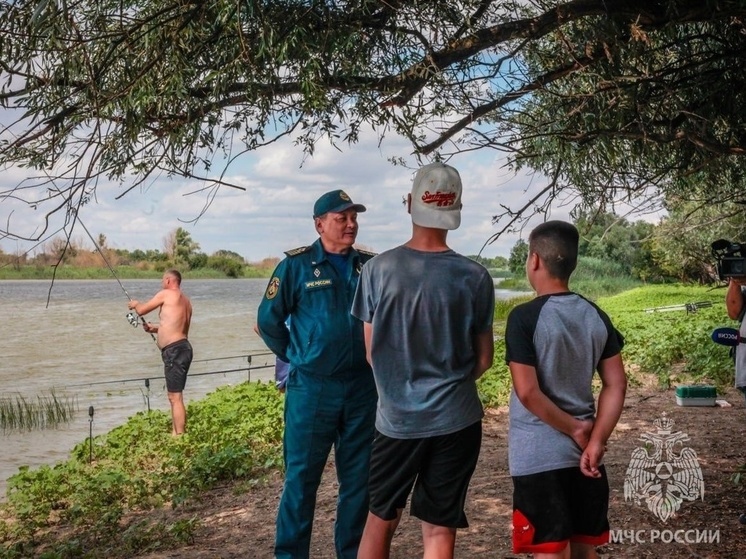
(557, 438)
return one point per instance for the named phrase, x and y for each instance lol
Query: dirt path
(241, 524)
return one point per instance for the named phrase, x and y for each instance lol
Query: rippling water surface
(80, 345)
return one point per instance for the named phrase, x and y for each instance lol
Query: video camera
(731, 259)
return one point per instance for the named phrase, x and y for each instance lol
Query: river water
(79, 345)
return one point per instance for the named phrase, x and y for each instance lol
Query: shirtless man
(175, 314)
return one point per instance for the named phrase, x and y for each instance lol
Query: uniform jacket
(324, 339)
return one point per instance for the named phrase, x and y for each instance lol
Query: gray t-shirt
(563, 337)
(425, 308)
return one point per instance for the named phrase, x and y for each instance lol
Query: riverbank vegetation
(50, 272)
(65, 258)
(593, 278)
(235, 436)
(615, 254)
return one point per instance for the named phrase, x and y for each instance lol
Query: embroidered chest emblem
(316, 284)
(316, 273)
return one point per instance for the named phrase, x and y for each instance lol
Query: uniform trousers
(321, 413)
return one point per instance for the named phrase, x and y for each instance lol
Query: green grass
(676, 346)
(234, 433)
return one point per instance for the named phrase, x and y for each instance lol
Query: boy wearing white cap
(427, 314)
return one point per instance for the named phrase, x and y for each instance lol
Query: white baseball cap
(436, 197)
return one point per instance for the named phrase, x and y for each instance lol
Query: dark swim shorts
(438, 467)
(177, 357)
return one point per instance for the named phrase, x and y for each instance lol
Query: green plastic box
(695, 395)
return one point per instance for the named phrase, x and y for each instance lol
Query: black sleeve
(519, 334)
(615, 340)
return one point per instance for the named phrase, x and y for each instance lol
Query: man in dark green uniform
(330, 395)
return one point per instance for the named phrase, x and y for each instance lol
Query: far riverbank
(122, 273)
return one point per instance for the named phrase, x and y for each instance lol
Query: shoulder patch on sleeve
(272, 288)
(297, 251)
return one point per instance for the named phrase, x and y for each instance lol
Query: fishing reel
(133, 319)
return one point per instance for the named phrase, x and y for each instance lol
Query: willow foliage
(609, 99)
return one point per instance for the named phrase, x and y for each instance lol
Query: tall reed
(19, 413)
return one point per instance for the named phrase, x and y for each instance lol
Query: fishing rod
(688, 307)
(147, 379)
(131, 316)
(234, 357)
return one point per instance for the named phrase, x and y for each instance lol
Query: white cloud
(273, 214)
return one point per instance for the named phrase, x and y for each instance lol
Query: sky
(273, 214)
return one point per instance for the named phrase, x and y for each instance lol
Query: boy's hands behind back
(582, 432)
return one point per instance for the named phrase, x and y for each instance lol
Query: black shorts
(177, 357)
(439, 468)
(553, 508)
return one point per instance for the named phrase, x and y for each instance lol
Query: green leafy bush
(233, 433)
(673, 343)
